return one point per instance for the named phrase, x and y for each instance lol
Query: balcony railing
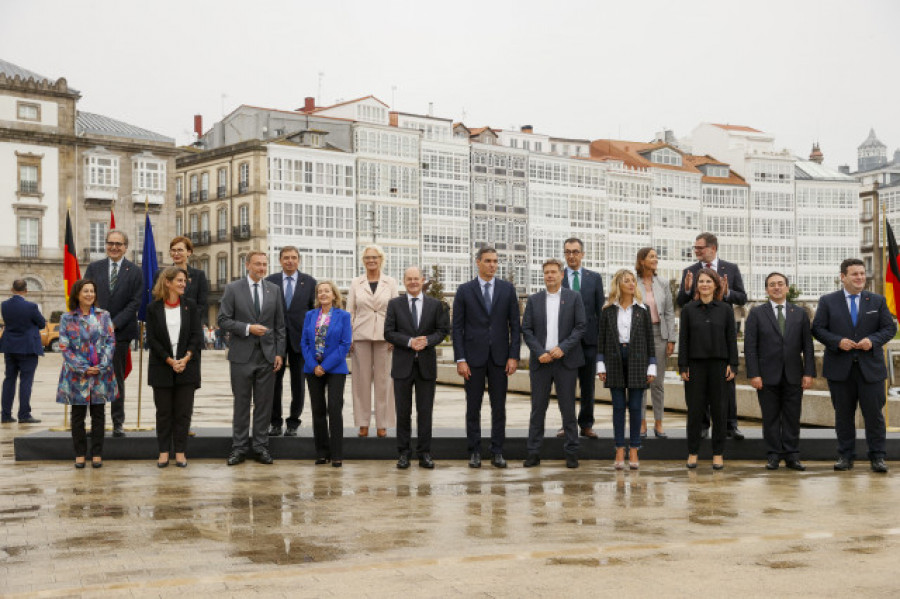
(194, 197)
(28, 186)
(222, 235)
(243, 186)
(178, 201)
(220, 191)
(241, 232)
(202, 239)
(204, 195)
(27, 250)
(221, 282)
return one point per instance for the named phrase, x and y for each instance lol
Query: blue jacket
(22, 333)
(337, 342)
(479, 336)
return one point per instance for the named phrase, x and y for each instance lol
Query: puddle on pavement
(286, 550)
(783, 565)
(592, 562)
(14, 551)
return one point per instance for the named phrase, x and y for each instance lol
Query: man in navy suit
(21, 344)
(486, 344)
(706, 248)
(590, 285)
(120, 285)
(854, 325)
(778, 349)
(298, 296)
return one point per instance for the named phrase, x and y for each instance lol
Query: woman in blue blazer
(327, 334)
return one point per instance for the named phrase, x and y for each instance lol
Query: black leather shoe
(878, 465)
(180, 464)
(773, 462)
(162, 464)
(8, 420)
(80, 465)
(735, 433)
(795, 465)
(532, 460)
(320, 461)
(28, 420)
(291, 431)
(118, 430)
(571, 461)
(263, 456)
(560, 434)
(497, 461)
(235, 458)
(337, 463)
(403, 461)
(425, 461)
(274, 431)
(475, 460)
(843, 463)
(660, 434)
(97, 464)
(704, 434)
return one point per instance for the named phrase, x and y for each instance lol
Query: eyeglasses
(697, 248)
(571, 252)
(177, 251)
(115, 244)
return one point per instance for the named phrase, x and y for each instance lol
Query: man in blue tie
(854, 325)
(21, 342)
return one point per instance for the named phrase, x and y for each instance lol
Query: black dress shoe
(773, 462)
(118, 430)
(235, 458)
(291, 431)
(162, 464)
(28, 420)
(97, 464)
(571, 461)
(425, 461)
(704, 433)
(181, 464)
(795, 465)
(735, 433)
(320, 461)
(274, 431)
(475, 460)
(532, 460)
(79, 465)
(497, 461)
(843, 463)
(878, 465)
(264, 457)
(7, 420)
(403, 461)
(336, 463)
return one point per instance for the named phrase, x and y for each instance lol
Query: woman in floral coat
(87, 341)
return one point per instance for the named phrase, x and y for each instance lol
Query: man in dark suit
(486, 345)
(553, 327)
(854, 325)
(252, 310)
(21, 344)
(590, 285)
(706, 248)
(778, 349)
(298, 296)
(414, 325)
(119, 284)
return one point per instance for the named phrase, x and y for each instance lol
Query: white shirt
(173, 324)
(261, 294)
(553, 300)
(623, 326)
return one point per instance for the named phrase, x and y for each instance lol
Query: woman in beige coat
(370, 357)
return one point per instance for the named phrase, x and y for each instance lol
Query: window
(179, 189)
(149, 175)
(222, 219)
(666, 156)
(244, 215)
(222, 270)
(204, 187)
(28, 111)
(103, 171)
(179, 225)
(244, 177)
(195, 226)
(97, 239)
(28, 236)
(221, 182)
(28, 178)
(204, 222)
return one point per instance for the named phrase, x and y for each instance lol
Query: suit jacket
(832, 323)
(337, 342)
(593, 298)
(572, 323)
(367, 310)
(236, 312)
(123, 303)
(434, 323)
(707, 332)
(662, 294)
(23, 323)
(479, 336)
(768, 354)
(197, 289)
(304, 299)
(190, 338)
(736, 294)
(641, 350)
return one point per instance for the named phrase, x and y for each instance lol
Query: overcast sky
(801, 70)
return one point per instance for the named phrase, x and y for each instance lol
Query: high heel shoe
(80, 465)
(718, 465)
(162, 464)
(97, 463)
(659, 433)
(633, 462)
(363, 431)
(181, 464)
(619, 463)
(691, 465)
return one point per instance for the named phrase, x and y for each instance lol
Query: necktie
(853, 310)
(709, 265)
(487, 297)
(415, 311)
(256, 299)
(114, 276)
(576, 282)
(289, 292)
(781, 319)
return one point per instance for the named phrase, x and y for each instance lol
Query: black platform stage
(447, 444)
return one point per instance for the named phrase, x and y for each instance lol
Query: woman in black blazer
(197, 288)
(175, 335)
(707, 358)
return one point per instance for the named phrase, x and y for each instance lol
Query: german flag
(71, 271)
(892, 272)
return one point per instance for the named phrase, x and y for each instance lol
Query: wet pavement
(367, 529)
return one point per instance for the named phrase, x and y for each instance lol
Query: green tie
(576, 283)
(781, 319)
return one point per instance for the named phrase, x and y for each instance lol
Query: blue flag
(148, 266)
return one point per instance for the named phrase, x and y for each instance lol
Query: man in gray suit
(553, 326)
(253, 312)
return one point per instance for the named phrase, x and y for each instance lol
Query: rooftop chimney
(309, 104)
(198, 125)
(844, 168)
(816, 154)
(527, 129)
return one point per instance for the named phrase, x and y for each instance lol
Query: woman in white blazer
(370, 354)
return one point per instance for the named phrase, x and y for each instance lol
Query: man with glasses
(119, 284)
(706, 248)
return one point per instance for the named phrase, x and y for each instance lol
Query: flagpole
(141, 337)
(887, 356)
(65, 425)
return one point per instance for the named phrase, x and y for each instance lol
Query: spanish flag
(892, 271)
(71, 271)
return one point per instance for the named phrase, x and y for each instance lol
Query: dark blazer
(304, 299)
(23, 323)
(477, 335)
(124, 302)
(736, 294)
(572, 322)
(641, 349)
(434, 323)
(707, 332)
(832, 323)
(236, 312)
(197, 289)
(768, 354)
(592, 296)
(190, 338)
(337, 342)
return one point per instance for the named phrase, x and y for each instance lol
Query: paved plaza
(299, 530)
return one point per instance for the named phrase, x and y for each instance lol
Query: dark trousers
(705, 391)
(497, 384)
(327, 413)
(730, 407)
(174, 407)
(298, 391)
(845, 396)
(403, 391)
(587, 378)
(542, 379)
(98, 423)
(120, 358)
(780, 405)
(253, 383)
(21, 366)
